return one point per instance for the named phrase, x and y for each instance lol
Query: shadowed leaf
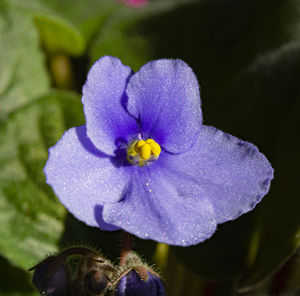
(32, 216)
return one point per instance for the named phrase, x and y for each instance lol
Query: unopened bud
(95, 282)
(135, 278)
(50, 278)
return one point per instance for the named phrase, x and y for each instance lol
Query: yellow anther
(142, 152)
(149, 141)
(131, 150)
(136, 145)
(155, 148)
(145, 151)
(140, 143)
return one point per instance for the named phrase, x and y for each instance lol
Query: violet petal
(232, 174)
(164, 96)
(82, 176)
(103, 99)
(153, 209)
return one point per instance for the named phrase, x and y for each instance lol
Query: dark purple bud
(140, 282)
(95, 282)
(50, 277)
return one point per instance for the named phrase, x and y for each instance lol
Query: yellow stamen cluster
(142, 152)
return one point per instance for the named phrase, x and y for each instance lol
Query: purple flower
(145, 163)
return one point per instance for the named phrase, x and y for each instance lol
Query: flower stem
(161, 255)
(126, 247)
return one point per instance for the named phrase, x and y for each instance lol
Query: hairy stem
(126, 247)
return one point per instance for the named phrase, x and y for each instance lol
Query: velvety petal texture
(82, 176)
(153, 208)
(133, 285)
(103, 98)
(201, 177)
(164, 97)
(232, 174)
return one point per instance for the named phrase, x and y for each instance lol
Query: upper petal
(82, 177)
(153, 209)
(103, 99)
(231, 173)
(164, 97)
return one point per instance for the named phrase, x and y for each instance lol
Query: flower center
(142, 152)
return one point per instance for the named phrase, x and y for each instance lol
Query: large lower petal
(103, 98)
(232, 174)
(164, 97)
(82, 177)
(153, 209)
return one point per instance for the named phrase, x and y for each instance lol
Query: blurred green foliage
(23, 74)
(246, 55)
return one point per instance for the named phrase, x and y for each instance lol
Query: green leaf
(86, 16)
(59, 35)
(29, 212)
(67, 26)
(23, 76)
(119, 38)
